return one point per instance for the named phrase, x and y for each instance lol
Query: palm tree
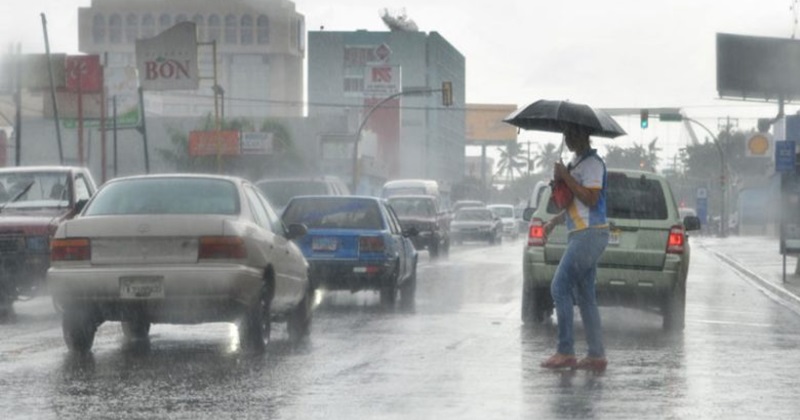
(547, 157)
(510, 160)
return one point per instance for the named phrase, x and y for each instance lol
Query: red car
(34, 200)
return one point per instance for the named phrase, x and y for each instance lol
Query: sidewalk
(758, 258)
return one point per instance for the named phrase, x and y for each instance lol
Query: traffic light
(644, 116)
(447, 93)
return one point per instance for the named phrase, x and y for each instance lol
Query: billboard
(750, 67)
(168, 61)
(485, 123)
(213, 143)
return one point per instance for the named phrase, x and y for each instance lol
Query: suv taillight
(536, 235)
(676, 240)
(221, 247)
(70, 250)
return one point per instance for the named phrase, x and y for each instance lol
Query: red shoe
(594, 364)
(560, 361)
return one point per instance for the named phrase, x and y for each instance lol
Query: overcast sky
(613, 53)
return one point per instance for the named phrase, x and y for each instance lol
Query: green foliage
(636, 157)
(511, 161)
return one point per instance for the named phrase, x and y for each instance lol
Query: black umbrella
(547, 115)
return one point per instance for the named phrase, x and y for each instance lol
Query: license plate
(613, 238)
(324, 244)
(141, 287)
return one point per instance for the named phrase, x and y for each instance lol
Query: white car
(180, 249)
(507, 215)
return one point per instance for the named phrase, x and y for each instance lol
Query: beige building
(260, 51)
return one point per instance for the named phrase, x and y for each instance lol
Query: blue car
(355, 243)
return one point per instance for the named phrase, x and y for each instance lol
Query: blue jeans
(575, 276)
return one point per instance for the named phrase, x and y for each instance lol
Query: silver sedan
(179, 249)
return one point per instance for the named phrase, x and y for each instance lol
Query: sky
(609, 54)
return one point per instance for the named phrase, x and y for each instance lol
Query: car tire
(299, 322)
(255, 328)
(433, 249)
(408, 290)
(388, 291)
(535, 308)
(136, 329)
(79, 329)
(673, 309)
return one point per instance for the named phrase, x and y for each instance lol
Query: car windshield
(469, 215)
(26, 190)
(279, 192)
(503, 211)
(419, 207)
(166, 196)
(334, 213)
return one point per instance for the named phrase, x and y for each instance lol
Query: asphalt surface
(461, 353)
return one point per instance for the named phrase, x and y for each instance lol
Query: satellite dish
(398, 21)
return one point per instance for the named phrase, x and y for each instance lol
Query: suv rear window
(631, 198)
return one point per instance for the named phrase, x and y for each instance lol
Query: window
(247, 30)
(82, 191)
(131, 28)
(99, 29)
(230, 29)
(214, 28)
(198, 22)
(263, 29)
(148, 26)
(166, 195)
(259, 213)
(164, 22)
(181, 18)
(274, 219)
(115, 29)
(334, 213)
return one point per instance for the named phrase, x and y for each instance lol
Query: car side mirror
(691, 223)
(296, 230)
(80, 205)
(410, 232)
(528, 213)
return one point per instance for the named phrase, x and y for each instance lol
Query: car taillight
(70, 250)
(676, 240)
(221, 247)
(536, 235)
(370, 244)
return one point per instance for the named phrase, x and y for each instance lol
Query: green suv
(647, 259)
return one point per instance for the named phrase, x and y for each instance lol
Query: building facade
(260, 48)
(412, 135)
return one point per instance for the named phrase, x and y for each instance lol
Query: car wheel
(409, 289)
(79, 329)
(673, 309)
(255, 328)
(299, 322)
(446, 248)
(433, 249)
(136, 328)
(389, 290)
(535, 308)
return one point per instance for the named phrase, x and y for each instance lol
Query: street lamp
(723, 166)
(372, 110)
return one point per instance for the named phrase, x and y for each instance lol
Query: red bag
(560, 195)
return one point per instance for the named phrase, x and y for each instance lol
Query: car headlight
(36, 243)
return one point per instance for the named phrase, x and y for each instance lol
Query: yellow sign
(758, 145)
(485, 123)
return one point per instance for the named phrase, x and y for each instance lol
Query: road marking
(747, 324)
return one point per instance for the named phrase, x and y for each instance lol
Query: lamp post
(366, 118)
(723, 219)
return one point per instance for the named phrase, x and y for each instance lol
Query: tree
(547, 157)
(510, 160)
(634, 157)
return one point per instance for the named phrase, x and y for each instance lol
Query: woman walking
(585, 217)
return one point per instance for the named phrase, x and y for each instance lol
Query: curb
(774, 291)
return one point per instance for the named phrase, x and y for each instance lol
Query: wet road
(462, 353)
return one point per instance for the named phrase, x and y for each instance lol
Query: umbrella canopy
(545, 115)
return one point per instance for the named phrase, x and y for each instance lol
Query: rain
(294, 209)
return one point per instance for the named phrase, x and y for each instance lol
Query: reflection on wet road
(460, 353)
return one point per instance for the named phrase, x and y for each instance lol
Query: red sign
(84, 71)
(213, 143)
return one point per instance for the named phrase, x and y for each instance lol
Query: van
(280, 190)
(417, 187)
